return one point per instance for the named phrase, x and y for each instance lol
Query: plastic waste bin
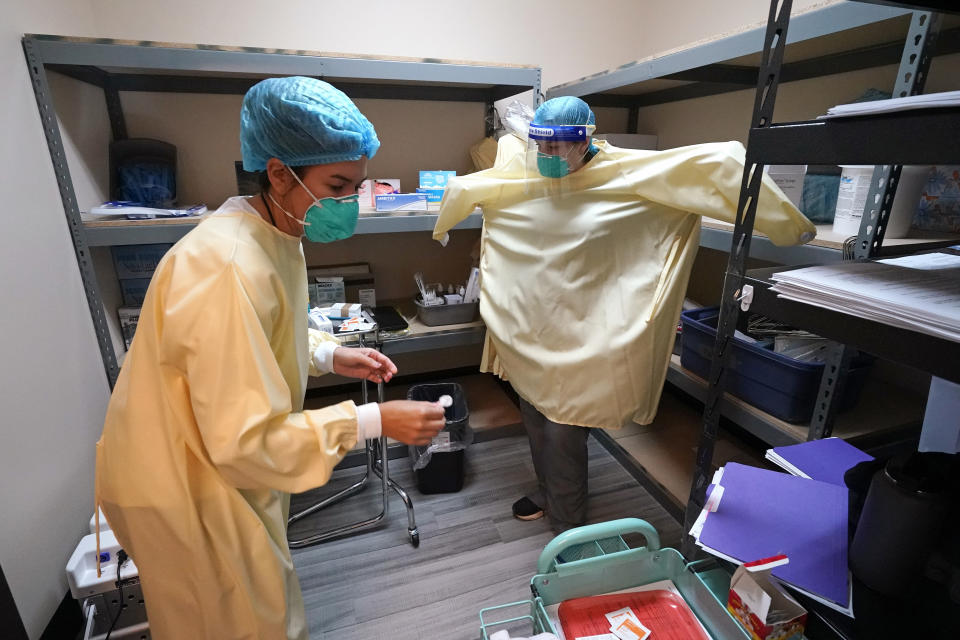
(439, 467)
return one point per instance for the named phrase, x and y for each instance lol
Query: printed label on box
(402, 202)
(435, 179)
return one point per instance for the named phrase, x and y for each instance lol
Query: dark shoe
(526, 509)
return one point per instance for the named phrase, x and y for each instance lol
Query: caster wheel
(415, 539)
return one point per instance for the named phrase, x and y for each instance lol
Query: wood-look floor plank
(473, 553)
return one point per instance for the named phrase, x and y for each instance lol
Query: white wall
(53, 389)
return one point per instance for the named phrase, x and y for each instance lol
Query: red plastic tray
(665, 613)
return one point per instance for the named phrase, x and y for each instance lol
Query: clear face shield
(555, 151)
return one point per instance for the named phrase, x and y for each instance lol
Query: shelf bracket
(911, 78)
(58, 157)
(767, 84)
(835, 367)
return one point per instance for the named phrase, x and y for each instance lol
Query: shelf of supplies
(420, 337)
(881, 408)
(118, 232)
(180, 68)
(927, 136)
(938, 356)
(825, 248)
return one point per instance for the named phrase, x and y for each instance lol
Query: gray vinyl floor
(473, 553)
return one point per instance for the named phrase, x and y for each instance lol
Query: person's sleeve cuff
(323, 357)
(368, 422)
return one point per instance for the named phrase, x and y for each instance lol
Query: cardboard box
(436, 179)
(129, 317)
(137, 260)
(324, 291)
(380, 186)
(790, 180)
(402, 202)
(134, 290)
(433, 195)
(761, 606)
(358, 282)
(340, 311)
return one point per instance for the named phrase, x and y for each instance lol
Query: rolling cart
(377, 465)
(594, 560)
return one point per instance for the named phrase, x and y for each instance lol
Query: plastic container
(447, 313)
(440, 467)
(906, 201)
(854, 188)
(781, 386)
(901, 519)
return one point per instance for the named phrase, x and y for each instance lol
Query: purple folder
(763, 513)
(826, 460)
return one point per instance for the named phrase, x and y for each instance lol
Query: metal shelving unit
(839, 37)
(731, 61)
(900, 138)
(818, 43)
(116, 66)
(102, 234)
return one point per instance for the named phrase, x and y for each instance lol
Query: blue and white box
(402, 202)
(433, 195)
(435, 179)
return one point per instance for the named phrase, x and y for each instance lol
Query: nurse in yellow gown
(205, 435)
(586, 253)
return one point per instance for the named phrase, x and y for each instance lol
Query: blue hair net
(302, 121)
(564, 110)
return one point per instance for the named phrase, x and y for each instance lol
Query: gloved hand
(411, 422)
(363, 363)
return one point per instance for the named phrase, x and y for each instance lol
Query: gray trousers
(560, 459)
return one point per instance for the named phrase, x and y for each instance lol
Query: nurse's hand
(363, 363)
(411, 422)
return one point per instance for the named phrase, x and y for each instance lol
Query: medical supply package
(435, 179)
(402, 202)
(761, 606)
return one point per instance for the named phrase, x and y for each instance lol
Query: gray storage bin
(447, 313)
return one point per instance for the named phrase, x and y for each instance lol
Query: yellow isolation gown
(583, 277)
(205, 436)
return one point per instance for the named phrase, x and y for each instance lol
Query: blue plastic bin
(779, 385)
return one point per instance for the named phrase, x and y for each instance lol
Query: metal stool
(378, 463)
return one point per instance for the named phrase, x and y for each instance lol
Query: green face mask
(327, 219)
(552, 166)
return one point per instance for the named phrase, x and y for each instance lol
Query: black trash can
(440, 467)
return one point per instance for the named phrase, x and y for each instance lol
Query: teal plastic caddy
(594, 560)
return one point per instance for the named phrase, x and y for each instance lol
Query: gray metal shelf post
(911, 78)
(68, 196)
(774, 44)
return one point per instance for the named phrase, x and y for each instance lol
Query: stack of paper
(825, 460)
(920, 292)
(764, 513)
(926, 101)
